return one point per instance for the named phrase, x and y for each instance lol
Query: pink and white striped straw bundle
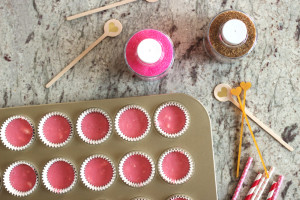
(279, 183)
(253, 186)
(272, 190)
(263, 186)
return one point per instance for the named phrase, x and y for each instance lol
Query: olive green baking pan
(197, 140)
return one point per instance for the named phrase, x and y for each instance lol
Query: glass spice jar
(231, 35)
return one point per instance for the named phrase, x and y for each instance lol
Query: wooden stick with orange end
(245, 87)
(236, 92)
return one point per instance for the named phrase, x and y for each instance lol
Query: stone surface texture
(36, 42)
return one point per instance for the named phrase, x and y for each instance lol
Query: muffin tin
(195, 141)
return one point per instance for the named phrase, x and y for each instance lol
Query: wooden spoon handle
(76, 60)
(99, 9)
(263, 126)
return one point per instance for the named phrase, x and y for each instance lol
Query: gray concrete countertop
(36, 43)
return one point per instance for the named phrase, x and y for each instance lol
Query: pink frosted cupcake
(94, 126)
(176, 166)
(59, 176)
(179, 197)
(55, 129)
(98, 172)
(132, 123)
(17, 133)
(20, 179)
(136, 169)
(171, 119)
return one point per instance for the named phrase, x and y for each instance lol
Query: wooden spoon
(222, 93)
(112, 28)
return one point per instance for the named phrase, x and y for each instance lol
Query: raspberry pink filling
(18, 132)
(98, 172)
(175, 165)
(22, 178)
(133, 123)
(171, 119)
(137, 169)
(61, 175)
(95, 126)
(56, 129)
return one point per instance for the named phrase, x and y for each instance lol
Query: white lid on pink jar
(149, 51)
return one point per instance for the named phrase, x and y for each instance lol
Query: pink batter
(98, 172)
(175, 165)
(57, 129)
(18, 132)
(137, 169)
(95, 126)
(171, 119)
(145, 69)
(22, 178)
(133, 123)
(60, 175)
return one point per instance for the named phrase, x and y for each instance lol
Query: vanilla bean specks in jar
(231, 35)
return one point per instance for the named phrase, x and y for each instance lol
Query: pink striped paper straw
(272, 189)
(259, 186)
(279, 183)
(263, 186)
(253, 186)
(242, 179)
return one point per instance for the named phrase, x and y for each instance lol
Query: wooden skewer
(99, 9)
(234, 92)
(241, 139)
(245, 87)
(265, 127)
(103, 8)
(76, 60)
(222, 93)
(112, 28)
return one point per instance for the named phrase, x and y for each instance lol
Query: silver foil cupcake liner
(178, 181)
(47, 183)
(41, 132)
(179, 196)
(128, 182)
(3, 135)
(10, 188)
(85, 181)
(79, 128)
(121, 134)
(183, 130)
